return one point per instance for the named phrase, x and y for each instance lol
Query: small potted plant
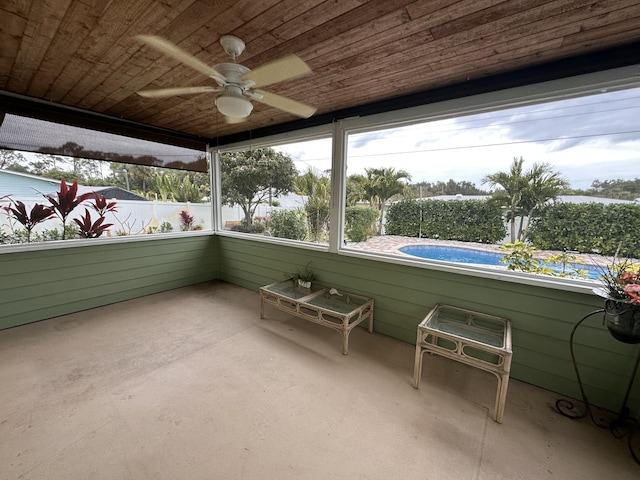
(621, 291)
(303, 276)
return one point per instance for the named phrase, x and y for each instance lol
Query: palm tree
(356, 189)
(382, 184)
(316, 187)
(524, 193)
(543, 185)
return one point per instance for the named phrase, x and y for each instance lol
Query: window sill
(89, 242)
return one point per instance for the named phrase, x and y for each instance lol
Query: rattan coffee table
(340, 311)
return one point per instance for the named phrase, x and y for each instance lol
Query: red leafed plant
(89, 229)
(101, 205)
(186, 220)
(39, 213)
(65, 201)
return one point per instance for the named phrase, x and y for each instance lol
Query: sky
(584, 139)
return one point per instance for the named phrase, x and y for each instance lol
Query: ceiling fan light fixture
(233, 104)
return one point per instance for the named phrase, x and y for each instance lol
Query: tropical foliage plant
(87, 228)
(186, 220)
(316, 188)
(39, 213)
(65, 201)
(521, 257)
(524, 194)
(360, 223)
(62, 205)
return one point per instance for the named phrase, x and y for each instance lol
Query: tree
(248, 178)
(316, 187)
(620, 189)
(381, 185)
(10, 159)
(543, 185)
(523, 193)
(428, 189)
(355, 189)
(135, 178)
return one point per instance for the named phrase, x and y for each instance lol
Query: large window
(547, 188)
(279, 190)
(53, 197)
(534, 184)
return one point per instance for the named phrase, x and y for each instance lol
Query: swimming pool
(479, 257)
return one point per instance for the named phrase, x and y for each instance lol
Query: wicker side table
(482, 341)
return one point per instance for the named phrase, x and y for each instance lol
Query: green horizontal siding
(37, 285)
(542, 318)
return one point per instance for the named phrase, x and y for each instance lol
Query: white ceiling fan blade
(170, 92)
(286, 104)
(171, 50)
(286, 68)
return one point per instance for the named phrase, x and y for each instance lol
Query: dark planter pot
(622, 320)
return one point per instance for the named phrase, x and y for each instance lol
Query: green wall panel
(542, 318)
(41, 284)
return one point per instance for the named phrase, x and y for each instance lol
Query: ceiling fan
(236, 82)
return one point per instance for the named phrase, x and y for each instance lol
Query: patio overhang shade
(41, 127)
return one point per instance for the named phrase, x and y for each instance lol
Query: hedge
(463, 220)
(588, 227)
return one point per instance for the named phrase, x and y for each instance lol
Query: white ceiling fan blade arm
(164, 46)
(286, 68)
(170, 92)
(288, 105)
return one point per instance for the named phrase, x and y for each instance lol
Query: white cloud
(594, 137)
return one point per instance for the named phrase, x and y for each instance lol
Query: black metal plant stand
(620, 427)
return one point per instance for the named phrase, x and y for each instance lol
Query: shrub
(588, 227)
(463, 220)
(290, 224)
(186, 220)
(360, 223)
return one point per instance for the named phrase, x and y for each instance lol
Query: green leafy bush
(253, 228)
(588, 227)
(464, 220)
(360, 223)
(520, 256)
(290, 224)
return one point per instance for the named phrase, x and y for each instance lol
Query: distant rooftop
(561, 198)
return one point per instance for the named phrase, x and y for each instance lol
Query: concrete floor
(191, 384)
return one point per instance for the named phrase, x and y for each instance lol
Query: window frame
(544, 92)
(87, 242)
(315, 133)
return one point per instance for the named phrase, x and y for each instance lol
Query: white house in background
(560, 198)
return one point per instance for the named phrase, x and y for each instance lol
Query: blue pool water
(481, 257)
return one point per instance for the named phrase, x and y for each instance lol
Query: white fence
(133, 217)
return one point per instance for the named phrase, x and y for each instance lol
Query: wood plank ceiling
(82, 53)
